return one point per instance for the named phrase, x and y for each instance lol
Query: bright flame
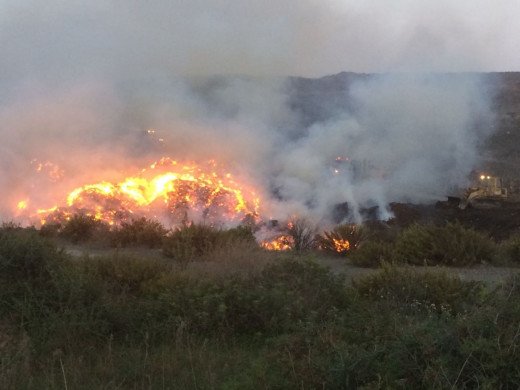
(22, 205)
(180, 191)
(281, 243)
(341, 245)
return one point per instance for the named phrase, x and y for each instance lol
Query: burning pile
(167, 190)
(176, 194)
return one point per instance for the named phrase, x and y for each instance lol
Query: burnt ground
(499, 222)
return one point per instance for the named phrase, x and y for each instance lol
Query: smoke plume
(83, 82)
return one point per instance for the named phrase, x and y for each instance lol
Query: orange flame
(166, 188)
(281, 243)
(53, 171)
(341, 245)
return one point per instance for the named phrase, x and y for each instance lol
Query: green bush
(50, 230)
(372, 254)
(125, 274)
(451, 245)
(24, 254)
(139, 232)
(82, 228)
(191, 242)
(430, 290)
(279, 298)
(344, 239)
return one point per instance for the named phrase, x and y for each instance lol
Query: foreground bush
(25, 255)
(129, 322)
(139, 232)
(191, 242)
(372, 254)
(82, 228)
(451, 245)
(408, 287)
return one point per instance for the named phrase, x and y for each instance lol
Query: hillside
(317, 100)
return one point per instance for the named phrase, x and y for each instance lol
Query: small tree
(303, 233)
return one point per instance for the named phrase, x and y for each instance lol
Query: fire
(167, 188)
(22, 205)
(341, 245)
(281, 243)
(52, 170)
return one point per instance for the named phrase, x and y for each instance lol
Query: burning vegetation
(167, 190)
(178, 194)
(343, 239)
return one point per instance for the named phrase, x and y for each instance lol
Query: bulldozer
(488, 193)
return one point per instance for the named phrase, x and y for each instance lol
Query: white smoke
(82, 81)
(408, 138)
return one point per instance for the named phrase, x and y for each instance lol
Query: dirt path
(490, 274)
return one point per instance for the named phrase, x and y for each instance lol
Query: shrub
(303, 234)
(343, 239)
(372, 254)
(81, 228)
(188, 243)
(451, 245)
(24, 254)
(50, 229)
(430, 290)
(9, 226)
(140, 231)
(275, 300)
(125, 274)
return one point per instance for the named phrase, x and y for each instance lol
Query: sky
(55, 39)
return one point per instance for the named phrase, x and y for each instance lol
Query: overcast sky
(59, 39)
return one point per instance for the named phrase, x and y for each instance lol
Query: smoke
(408, 138)
(82, 82)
